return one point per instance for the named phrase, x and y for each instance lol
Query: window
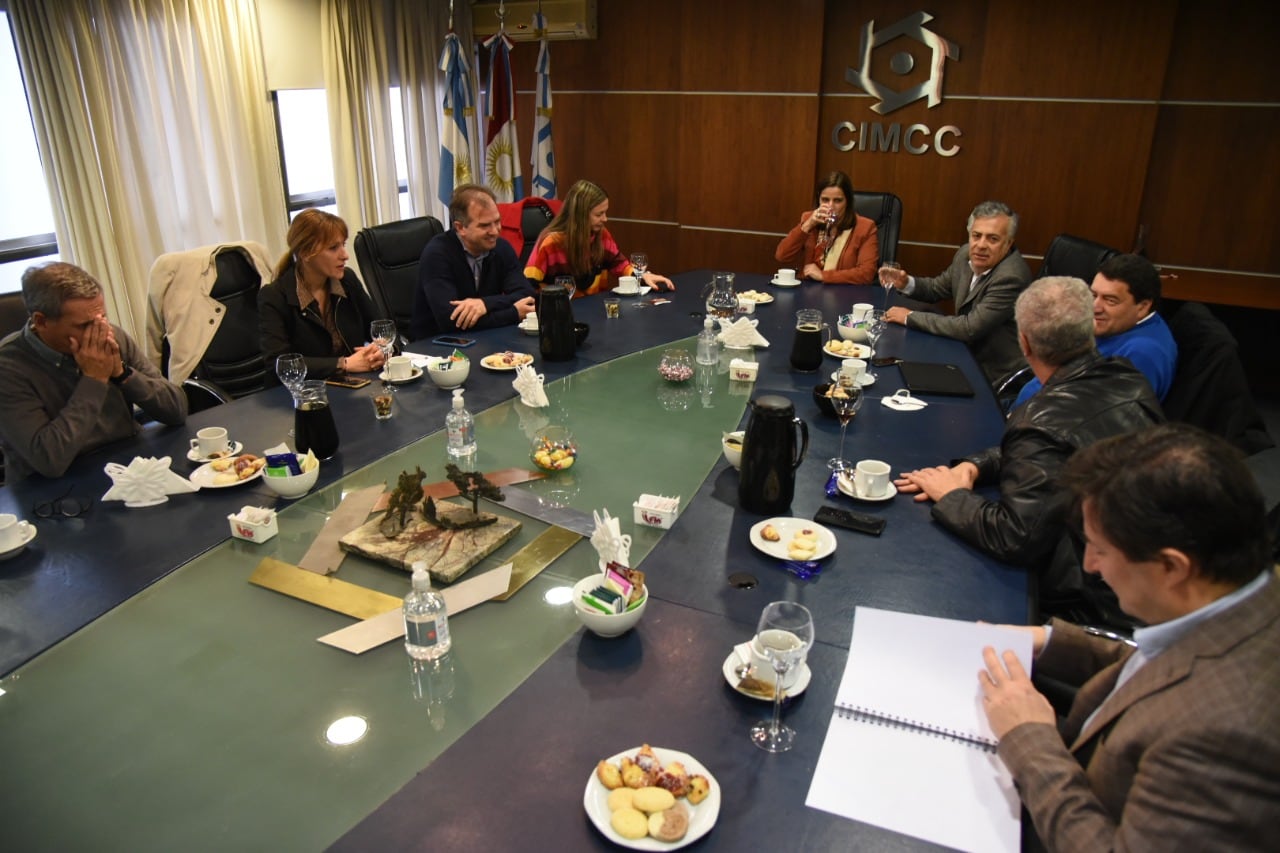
(302, 123)
(26, 228)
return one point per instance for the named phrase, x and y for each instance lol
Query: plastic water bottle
(460, 429)
(708, 346)
(426, 619)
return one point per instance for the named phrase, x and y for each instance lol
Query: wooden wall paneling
(637, 49)
(751, 46)
(1213, 192)
(660, 241)
(724, 250)
(1224, 50)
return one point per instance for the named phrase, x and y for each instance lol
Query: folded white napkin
(608, 540)
(903, 401)
(529, 385)
(741, 333)
(145, 482)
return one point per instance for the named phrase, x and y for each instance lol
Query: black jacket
(285, 327)
(445, 275)
(1089, 398)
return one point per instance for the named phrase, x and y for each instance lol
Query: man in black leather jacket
(1086, 397)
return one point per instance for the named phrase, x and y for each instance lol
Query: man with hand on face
(468, 277)
(69, 380)
(984, 279)
(1174, 744)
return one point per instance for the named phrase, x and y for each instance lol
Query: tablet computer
(924, 377)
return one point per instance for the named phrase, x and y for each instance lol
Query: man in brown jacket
(1174, 744)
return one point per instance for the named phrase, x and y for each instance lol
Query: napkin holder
(656, 510)
(741, 370)
(251, 527)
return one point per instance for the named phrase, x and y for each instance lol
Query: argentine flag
(543, 158)
(501, 160)
(459, 107)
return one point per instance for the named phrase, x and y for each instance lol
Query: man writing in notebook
(1174, 744)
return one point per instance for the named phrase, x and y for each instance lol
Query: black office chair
(13, 313)
(1010, 387)
(202, 394)
(1074, 256)
(388, 255)
(233, 360)
(885, 210)
(1210, 389)
(533, 219)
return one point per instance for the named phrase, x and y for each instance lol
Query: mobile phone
(885, 361)
(450, 341)
(346, 381)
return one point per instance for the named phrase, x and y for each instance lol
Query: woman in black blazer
(316, 306)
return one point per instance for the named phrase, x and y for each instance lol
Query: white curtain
(156, 130)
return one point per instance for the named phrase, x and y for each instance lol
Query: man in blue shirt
(1126, 293)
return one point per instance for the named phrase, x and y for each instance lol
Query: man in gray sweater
(69, 380)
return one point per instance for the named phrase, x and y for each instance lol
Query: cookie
(609, 775)
(670, 824)
(653, 799)
(629, 823)
(699, 787)
(621, 799)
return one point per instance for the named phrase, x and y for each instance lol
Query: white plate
(864, 380)
(788, 527)
(494, 362)
(528, 330)
(763, 299)
(204, 475)
(845, 485)
(233, 450)
(17, 549)
(701, 817)
(412, 377)
(795, 283)
(862, 351)
(732, 662)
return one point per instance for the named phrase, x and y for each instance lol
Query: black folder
(923, 377)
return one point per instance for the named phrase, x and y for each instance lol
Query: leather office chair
(1074, 256)
(1210, 389)
(523, 221)
(388, 255)
(13, 313)
(233, 360)
(885, 210)
(202, 394)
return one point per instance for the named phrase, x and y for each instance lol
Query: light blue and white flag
(501, 158)
(543, 158)
(459, 108)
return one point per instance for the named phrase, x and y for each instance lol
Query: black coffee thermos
(556, 338)
(770, 455)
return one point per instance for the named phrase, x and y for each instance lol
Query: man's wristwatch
(124, 374)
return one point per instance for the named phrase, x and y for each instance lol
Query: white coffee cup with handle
(861, 311)
(628, 284)
(762, 664)
(871, 478)
(209, 441)
(13, 531)
(786, 276)
(851, 371)
(399, 367)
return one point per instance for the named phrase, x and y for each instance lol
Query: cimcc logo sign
(892, 137)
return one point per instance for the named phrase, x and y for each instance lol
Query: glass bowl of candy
(554, 449)
(676, 365)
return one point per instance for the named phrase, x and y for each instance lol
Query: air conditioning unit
(566, 19)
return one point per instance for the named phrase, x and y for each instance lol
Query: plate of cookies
(231, 471)
(652, 798)
(793, 539)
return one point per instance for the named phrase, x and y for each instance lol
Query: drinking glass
(888, 271)
(292, 369)
(383, 333)
(846, 407)
(875, 326)
(640, 261)
(783, 635)
(568, 283)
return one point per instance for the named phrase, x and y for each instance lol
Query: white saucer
(845, 485)
(733, 661)
(795, 283)
(17, 549)
(412, 377)
(528, 330)
(233, 449)
(636, 292)
(864, 380)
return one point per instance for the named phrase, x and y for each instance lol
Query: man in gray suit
(1174, 744)
(984, 279)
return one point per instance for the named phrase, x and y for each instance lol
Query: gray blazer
(984, 311)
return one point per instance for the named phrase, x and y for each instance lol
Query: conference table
(153, 698)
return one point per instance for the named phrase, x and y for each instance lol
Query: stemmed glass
(383, 333)
(888, 272)
(640, 261)
(783, 635)
(568, 283)
(292, 369)
(846, 400)
(875, 326)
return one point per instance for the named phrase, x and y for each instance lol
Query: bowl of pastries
(281, 480)
(611, 603)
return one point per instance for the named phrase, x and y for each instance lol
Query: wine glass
(640, 261)
(888, 272)
(846, 400)
(874, 328)
(568, 283)
(783, 635)
(292, 369)
(383, 333)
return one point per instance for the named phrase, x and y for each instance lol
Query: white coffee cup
(13, 531)
(210, 440)
(786, 275)
(861, 310)
(628, 284)
(399, 367)
(762, 664)
(530, 321)
(851, 371)
(871, 478)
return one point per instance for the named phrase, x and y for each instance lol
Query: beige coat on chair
(181, 308)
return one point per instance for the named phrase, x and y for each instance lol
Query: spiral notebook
(909, 748)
